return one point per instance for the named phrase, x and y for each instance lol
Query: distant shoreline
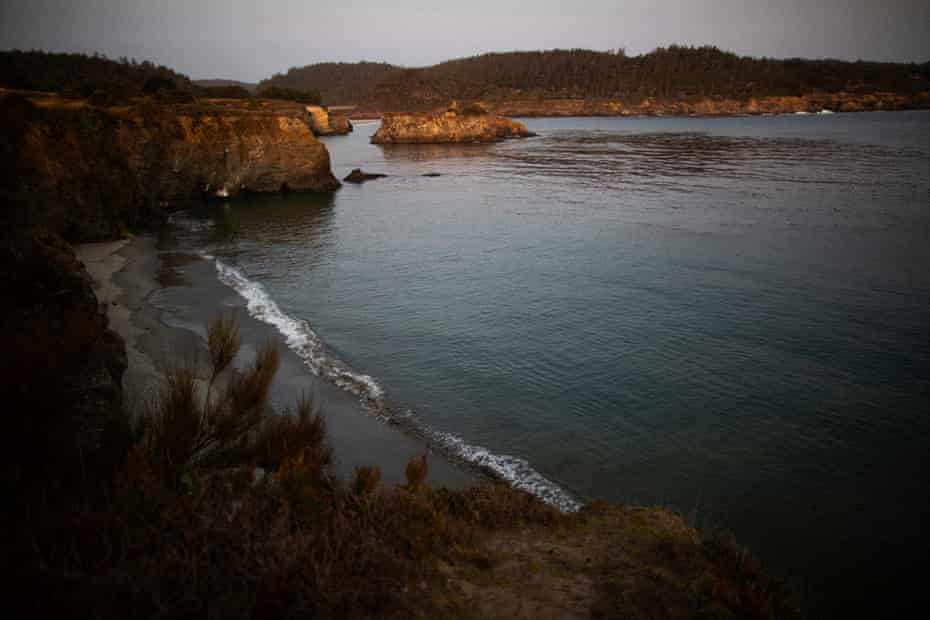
(686, 106)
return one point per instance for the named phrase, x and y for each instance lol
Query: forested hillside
(80, 75)
(337, 82)
(672, 72)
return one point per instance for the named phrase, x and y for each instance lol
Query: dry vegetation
(221, 507)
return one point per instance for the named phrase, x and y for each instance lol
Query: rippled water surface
(728, 316)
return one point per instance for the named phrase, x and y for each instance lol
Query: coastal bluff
(451, 126)
(89, 172)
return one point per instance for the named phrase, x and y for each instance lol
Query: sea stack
(326, 123)
(471, 124)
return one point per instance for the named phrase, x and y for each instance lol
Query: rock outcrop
(228, 154)
(326, 123)
(88, 173)
(446, 127)
(359, 176)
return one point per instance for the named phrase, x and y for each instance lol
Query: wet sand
(160, 301)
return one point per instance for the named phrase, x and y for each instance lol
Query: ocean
(728, 316)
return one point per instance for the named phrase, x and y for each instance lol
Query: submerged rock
(447, 127)
(359, 176)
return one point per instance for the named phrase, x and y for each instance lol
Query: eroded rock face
(326, 123)
(226, 155)
(446, 127)
(89, 173)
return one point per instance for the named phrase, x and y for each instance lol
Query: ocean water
(729, 316)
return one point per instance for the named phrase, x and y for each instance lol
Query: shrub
(366, 480)
(224, 419)
(415, 472)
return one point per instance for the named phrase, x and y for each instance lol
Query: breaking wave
(299, 337)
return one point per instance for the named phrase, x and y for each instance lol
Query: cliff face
(326, 123)
(446, 127)
(225, 154)
(88, 173)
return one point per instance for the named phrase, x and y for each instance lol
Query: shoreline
(150, 292)
(518, 114)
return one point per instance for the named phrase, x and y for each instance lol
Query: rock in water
(358, 176)
(447, 127)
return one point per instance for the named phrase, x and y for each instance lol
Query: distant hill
(249, 86)
(669, 73)
(337, 82)
(82, 75)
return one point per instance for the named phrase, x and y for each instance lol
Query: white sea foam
(301, 339)
(515, 471)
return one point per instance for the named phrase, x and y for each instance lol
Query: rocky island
(452, 126)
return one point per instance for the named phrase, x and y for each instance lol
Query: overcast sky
(251, 39)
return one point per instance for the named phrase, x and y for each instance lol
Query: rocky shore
(447, 127)
(685, 106)
(711, 106)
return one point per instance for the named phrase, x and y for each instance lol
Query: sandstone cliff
(443, 127)
(87, 173)
(324, 122)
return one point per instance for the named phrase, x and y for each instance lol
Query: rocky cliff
(324, 122)
(88, 173)
(444, 127)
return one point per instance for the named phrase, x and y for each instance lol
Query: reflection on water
(618, 159)
(291, 219)
(432, 152)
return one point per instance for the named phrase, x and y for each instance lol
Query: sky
(251, 39)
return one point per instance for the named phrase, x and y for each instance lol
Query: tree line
(668, 72)
(107, 81)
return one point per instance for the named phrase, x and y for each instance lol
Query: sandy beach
(159, 300)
